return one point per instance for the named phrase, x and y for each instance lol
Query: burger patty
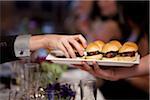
(93, 53)
(127, 54)
(111, 54)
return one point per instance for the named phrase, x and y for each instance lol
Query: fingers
(88, 68)
(80, 67)
(83, 66)
(61, 46)
(77, 46)
(108, 74)
(69, 41)
(96, 66)
(69, 48)
(82, 39)
(98, 72)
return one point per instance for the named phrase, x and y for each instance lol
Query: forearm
(138, 70)
(43, 41)
(143, 67)
(37, 42)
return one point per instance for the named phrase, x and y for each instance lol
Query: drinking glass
(16, 91)
(88, 89)
(31, 79)
(17, 76)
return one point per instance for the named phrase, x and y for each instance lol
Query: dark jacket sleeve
(7, 48)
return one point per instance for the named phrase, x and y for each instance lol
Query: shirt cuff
(21, 46)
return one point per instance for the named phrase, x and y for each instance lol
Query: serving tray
(71, 61)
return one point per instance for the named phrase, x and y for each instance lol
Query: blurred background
(96, 20)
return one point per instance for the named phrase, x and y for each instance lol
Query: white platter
(71, 61)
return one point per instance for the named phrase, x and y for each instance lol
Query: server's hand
(114, 74)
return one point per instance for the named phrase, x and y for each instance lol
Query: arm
(119, 73)
(7, 48)
(21, 46)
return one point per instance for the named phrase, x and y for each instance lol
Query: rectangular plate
(70, 61)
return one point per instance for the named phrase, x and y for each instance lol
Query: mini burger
(94, 50)
(128, 52)
(100, 44)
(110, 51)
(117, 43)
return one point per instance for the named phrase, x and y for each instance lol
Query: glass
(4, 94)
(16, 95)
(89, 90)
(30, 86)
(31, 80)
(17, 81)
(17, 77)
(85, 89)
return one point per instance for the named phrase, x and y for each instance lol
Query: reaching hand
(62, 42)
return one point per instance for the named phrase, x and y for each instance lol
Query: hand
(114, 74)
(62, 42)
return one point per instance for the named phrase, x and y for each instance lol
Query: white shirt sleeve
(21, 46)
